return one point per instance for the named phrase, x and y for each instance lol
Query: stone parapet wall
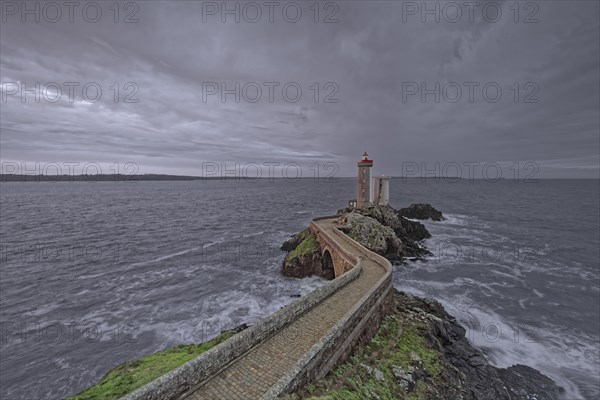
(186, 377)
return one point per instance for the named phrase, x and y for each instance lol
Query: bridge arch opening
(328, 269)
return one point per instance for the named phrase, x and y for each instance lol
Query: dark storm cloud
(370, 55)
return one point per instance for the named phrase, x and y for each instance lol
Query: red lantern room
(365, 158)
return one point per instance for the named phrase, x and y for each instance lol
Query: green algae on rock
(309, 245)
(304, 257)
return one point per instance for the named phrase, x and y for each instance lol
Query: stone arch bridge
(336, 260)
(298, 344)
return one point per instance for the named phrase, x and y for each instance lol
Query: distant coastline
(108, 178)
(165, 177)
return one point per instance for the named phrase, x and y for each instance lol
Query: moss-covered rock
(304, 257)
(309, 245)
(295, 240)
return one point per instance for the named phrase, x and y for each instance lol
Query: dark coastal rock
(303, 266)
(237, 329)
(416, 231)
(524, 382)
(304, 257)
(421, 211)
(410, 233)
(294, 241)
(480, 380)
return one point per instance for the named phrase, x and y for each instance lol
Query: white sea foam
(508, 275)
(538, 293)
(248, 303)
(455, 219)
(166, 257)
(522, 303)
(554, 352)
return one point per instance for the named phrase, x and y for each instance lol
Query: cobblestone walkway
(250, 376)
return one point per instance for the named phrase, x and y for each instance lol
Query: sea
(94, 274)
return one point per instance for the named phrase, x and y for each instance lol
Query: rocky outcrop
(236, 329)
(480, 380)
(304, 257)
(373, 235)
(421, 352)
(421, 211)
(388, 216)
(523, 382)
(303, 266)
(381, 229)
(410, 233)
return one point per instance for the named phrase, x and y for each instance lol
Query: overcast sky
(373, 61)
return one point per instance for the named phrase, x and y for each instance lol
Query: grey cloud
(368, 54)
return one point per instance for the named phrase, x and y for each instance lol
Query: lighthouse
(363, 197)
(381, 186)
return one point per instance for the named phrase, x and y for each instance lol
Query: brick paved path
(251, 375)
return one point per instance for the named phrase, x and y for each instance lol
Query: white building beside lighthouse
(381, 190)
